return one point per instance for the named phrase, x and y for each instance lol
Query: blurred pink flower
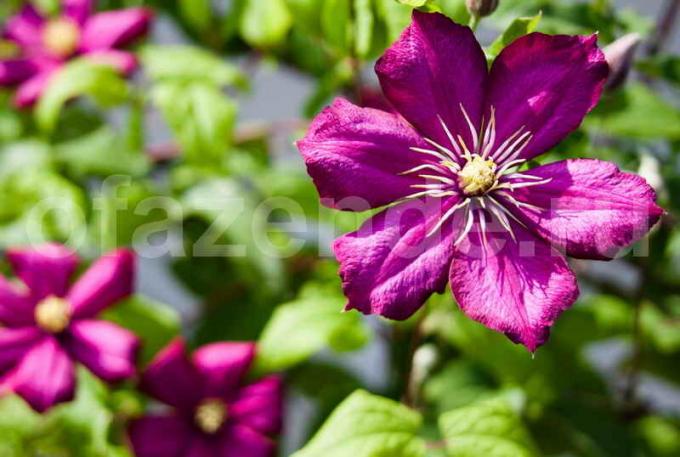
(45, 44)
(47, 325)
(448, 160)
(213, 413)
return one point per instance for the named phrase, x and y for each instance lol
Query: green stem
(474, 22)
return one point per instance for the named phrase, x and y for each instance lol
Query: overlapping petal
(515, 286)
(222, 367)
(545, 84)
(259, 406)
(160, 436)
(172, 379)
(112, 29)
(16, 309)
(29, 91)
(25, 28)
(435, 67)
(45, 376)
(108, 280)
(78, 10)
(390, 266)
(15, 343)
(109, 351)
(45, 270)
(355, 156)
(589, 209)
(15, 71)
(240, 441)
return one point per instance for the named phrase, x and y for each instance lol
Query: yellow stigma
(210, 415)
(61, 36)
(477, 176)
(53, 314)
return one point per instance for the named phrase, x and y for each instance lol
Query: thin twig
(665, 26)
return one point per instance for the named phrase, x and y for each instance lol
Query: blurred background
(210, 118)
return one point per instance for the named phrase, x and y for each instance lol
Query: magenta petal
(32, 89)
(160, 436)
(355, 156)
(260, 406)
(16, 309)
(109, 351)
(25, 28)
(78, 10)
(45, 269)
(591, 209)
(45, 376)
(172, 379)
(222, 366)
(124, 62)
(15, 343)
(515, 287)
(435, 67)
(389, 266)
(241, 441)
(546, 84)
(107, 281)
(15, 71)
(115, 28)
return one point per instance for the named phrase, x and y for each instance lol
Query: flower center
(477, 176)
(61, 36)
(53, 314)
(210, 415)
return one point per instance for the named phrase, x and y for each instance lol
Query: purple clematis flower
(44, 44)
(450, 161)
(213, 414)
(47, 325)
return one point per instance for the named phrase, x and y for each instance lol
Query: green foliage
(80, 77)
(365, 425)
(299, 329)
(519, 27)
(491, 428)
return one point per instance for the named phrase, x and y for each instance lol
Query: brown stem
(411, 392)
(665, 26)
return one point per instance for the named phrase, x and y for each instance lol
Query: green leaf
(39, 206)
(265, 23)
(635, 112)
(79, 78)
(155, 324)
(414, 3)
(490, 428)
(201, 117)
(189, 64)
(299, 329)
(197, 13)
(517, 28)
(335, 23)
(365, 425)
(101, 153)
(364, 21)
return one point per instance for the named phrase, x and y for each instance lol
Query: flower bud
(619, 55)
(481, 8)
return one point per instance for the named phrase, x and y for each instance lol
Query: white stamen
(443, 149)
(473, 130)
(509, 165)
(448, 215)
(489, 135)
(450, 136)
(520, 185)
(427, 166)
(443, 179)
(516, 148)
(518, 203)
(469, 221)
(430, 152)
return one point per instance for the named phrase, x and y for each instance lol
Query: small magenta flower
(452, 165)
(46, 325)
(43, 45)
(213, 413)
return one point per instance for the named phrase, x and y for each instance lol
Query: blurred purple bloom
(449, 160)
(45, 44)
(213, 413)
(47, 325)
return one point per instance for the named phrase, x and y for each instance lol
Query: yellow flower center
(61, 36)
(53, 314)
(477, 176)
(210, 415)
